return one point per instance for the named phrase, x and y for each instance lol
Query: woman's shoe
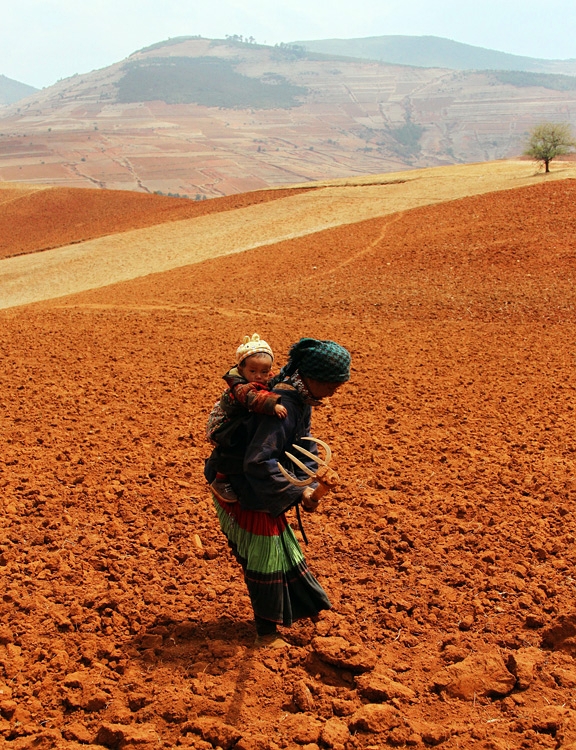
(272, 640)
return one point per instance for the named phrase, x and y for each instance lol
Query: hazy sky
(42, 41)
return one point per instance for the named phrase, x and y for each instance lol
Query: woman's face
(319, 389)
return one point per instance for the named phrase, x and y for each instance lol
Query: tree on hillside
(549, 140)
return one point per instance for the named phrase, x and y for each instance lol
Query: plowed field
(448, 551)
(35, 219)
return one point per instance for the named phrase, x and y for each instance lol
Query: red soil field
(36, 220)
(448, 551)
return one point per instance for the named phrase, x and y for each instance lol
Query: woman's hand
(308, 503)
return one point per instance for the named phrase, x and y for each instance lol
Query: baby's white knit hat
(252, 345)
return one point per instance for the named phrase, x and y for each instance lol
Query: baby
(247, 391)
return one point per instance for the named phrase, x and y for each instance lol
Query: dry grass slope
(137, 235)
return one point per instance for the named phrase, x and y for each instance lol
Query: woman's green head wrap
(325, 361)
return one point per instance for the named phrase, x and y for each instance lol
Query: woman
(281, 587)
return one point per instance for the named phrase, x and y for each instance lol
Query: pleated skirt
(281, 587)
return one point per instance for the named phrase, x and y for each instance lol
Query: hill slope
(271, 116)
(35, 219)
(446, 552)
(177, 234)
(13, 91)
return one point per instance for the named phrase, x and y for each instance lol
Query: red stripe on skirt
(255, 521)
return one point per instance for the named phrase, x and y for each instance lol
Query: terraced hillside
(206, 118)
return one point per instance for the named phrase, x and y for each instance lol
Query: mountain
(203, 118)
(12, 91)
(435, 52)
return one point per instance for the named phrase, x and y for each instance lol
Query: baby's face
(257, 368)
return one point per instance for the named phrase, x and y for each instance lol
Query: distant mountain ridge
(417, 51)
(434, 52)
(12, 91)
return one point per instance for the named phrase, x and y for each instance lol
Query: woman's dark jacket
(250, 457)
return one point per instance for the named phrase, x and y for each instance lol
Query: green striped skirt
(281, 587)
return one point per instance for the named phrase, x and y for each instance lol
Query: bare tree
(549, 140)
